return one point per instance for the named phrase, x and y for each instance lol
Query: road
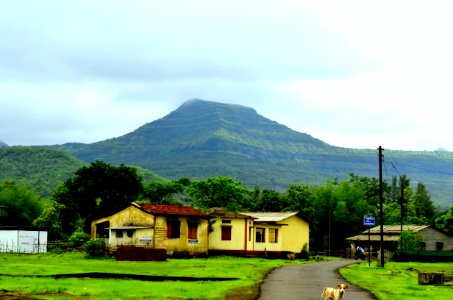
(307, 282)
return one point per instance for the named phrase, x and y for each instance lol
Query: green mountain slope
(40, 168)
(205, 139)
(43, 169)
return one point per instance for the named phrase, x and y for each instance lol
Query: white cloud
(352, 73)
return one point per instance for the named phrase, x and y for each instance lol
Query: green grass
(249, 271)
(399, 280)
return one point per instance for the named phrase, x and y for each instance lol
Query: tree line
(335, 210)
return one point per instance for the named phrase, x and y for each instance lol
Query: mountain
(3, 144)
(39, 168)
(204, 139)
(42, 168)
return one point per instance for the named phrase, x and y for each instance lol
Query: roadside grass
(248, 271)
(399, 280)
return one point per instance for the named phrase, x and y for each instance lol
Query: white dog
(330, 293)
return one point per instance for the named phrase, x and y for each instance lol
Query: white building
(23, 240)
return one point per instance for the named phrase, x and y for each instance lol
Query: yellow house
(177, 229)
(271, 233)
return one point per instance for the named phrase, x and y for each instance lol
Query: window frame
(273, 235)
(260, 232)
(226, 233)
(173, 228)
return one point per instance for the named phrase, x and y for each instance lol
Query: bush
(78, 239)
(95, 247)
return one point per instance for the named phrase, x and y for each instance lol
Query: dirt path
(307, 281)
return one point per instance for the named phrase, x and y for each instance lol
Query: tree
(269, 200)
(164, 192)
(99, 189)
(445, 221)
(221, 192)
(50, 219)
(299, 198)
(424, 207)
(19, 206)
(410, 241)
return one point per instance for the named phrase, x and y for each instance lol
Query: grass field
(399, 280)
(248, 271)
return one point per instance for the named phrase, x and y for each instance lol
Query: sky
(355, 74)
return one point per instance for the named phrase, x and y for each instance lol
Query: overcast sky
(355, 74)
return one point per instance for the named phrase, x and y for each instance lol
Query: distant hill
(206, 139)
(3, 144)
(40, 168)
(43, 169)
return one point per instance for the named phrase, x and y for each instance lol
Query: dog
(330, 293)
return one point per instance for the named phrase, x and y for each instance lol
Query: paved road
(307, 281)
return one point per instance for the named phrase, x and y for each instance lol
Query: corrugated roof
(391, 233)
(374, 238)
(270, 216)
(171, 210)
(396, 229)
(219, 212)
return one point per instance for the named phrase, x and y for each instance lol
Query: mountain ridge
(204, 139)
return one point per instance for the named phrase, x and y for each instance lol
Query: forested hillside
(203, 139)
(40, 168)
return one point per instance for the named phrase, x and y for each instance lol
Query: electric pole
(381, 207)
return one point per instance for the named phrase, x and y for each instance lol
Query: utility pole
(381, 207)
(402, 207)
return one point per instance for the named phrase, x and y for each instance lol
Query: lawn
(399, 280)
(248, 273)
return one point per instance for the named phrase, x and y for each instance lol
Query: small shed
(27, 240)
(433, 239)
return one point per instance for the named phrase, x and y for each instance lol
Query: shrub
(78, 239)
(95, 247)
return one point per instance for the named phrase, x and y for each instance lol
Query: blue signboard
(368, 221)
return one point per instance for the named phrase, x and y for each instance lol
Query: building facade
(177, 229)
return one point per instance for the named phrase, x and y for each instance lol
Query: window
(226, 233)
(226, 221)
(118, 234)
(439, 246)
(130, 233)
(422, 245)
(273, 235)
(173, 228)
(250, 233)
(260, 235)
(192, 231)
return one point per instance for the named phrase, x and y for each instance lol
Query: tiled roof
(171, 210)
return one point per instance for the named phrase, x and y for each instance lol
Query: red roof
(174, 210)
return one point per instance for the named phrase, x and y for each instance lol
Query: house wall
(239, 235)
(431, 237)
(295, 235)
(131, 216)
(267, 246)
(155, 236)
(181, 244)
